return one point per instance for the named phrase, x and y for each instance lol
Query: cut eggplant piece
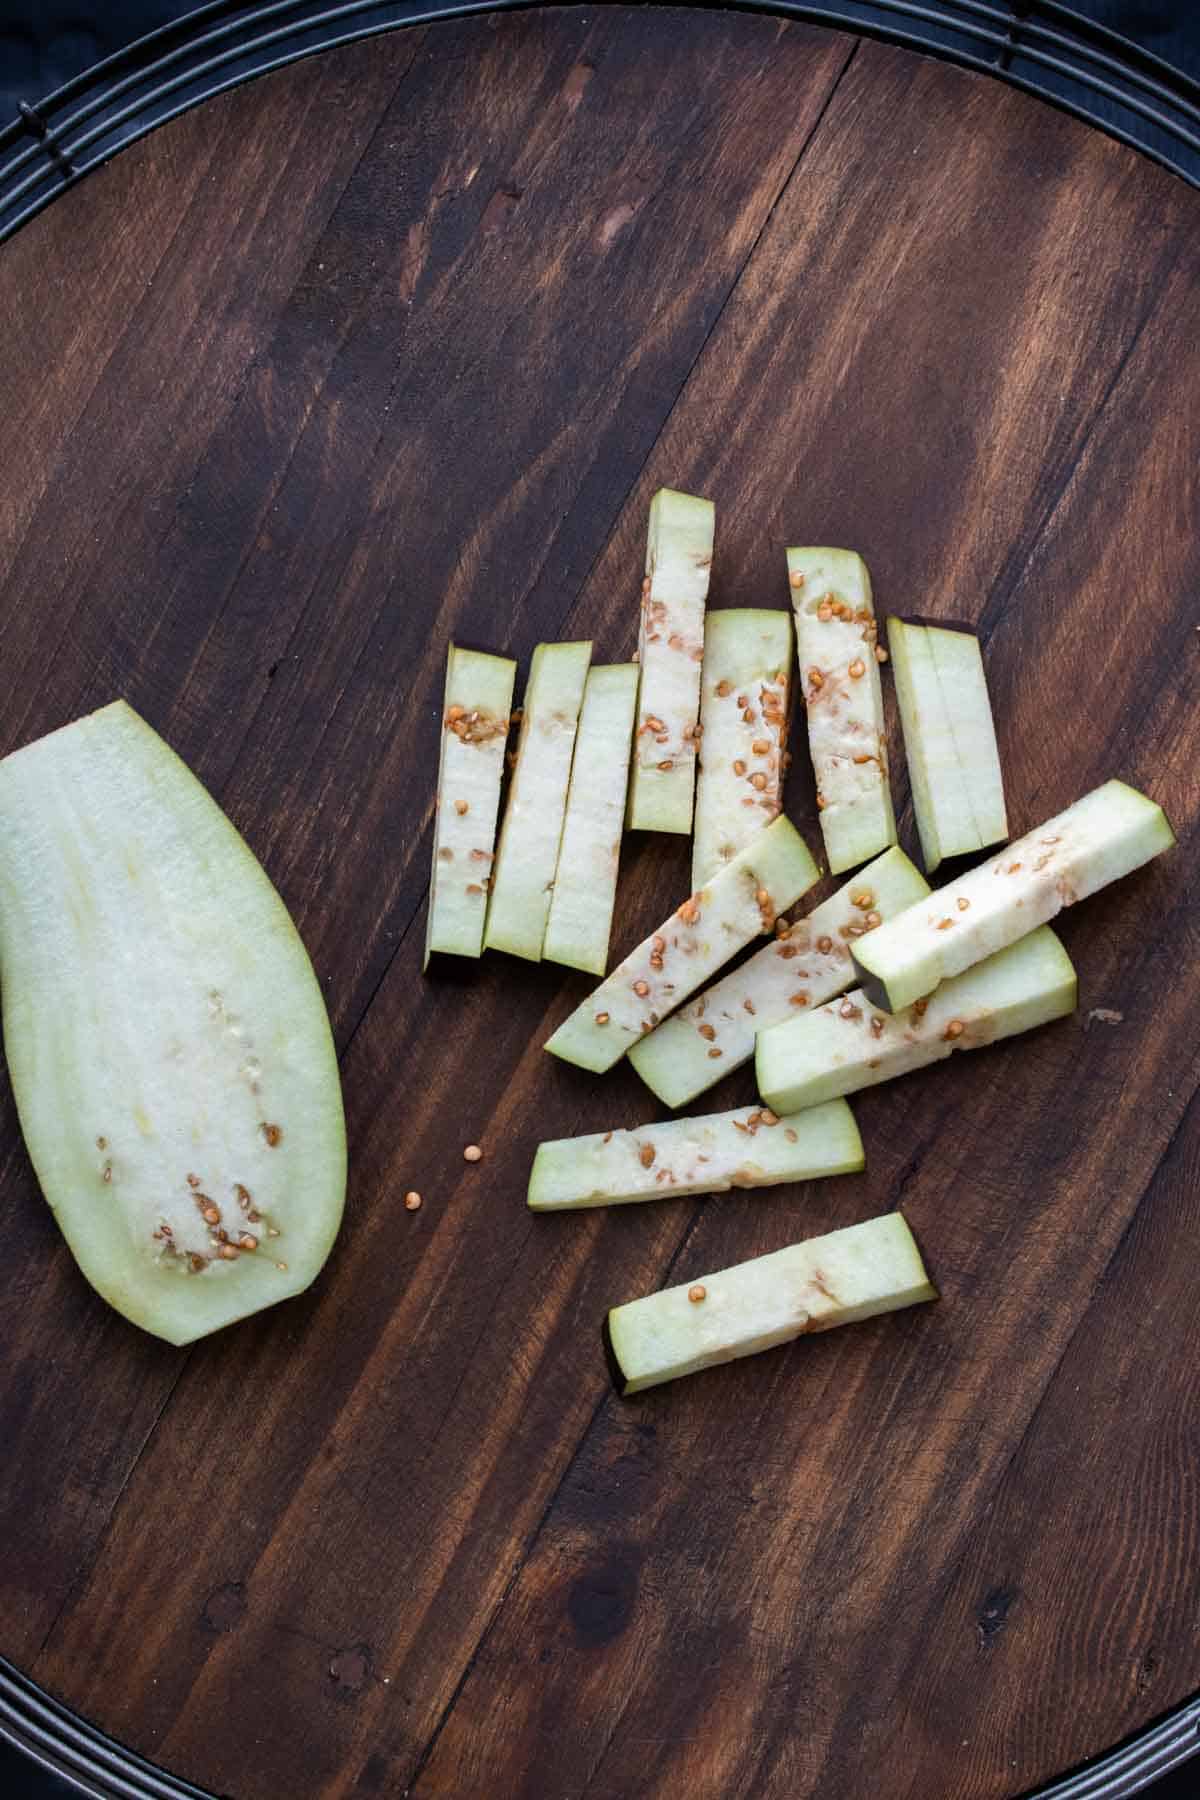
(715, 1033)
(744, 699)
(736, 906)
(1110, 832)
(848, 1044)
(585, 884)
(842, 696)
(522, 877)
(475, 716)
(847, 1275)
(169, 1048)
(949, 740)
(748, 1148)
(679, 551)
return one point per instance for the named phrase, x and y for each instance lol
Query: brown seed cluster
(475, 727)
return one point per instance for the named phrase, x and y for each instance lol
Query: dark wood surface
(398, 343)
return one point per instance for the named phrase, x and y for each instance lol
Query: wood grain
(397, 343)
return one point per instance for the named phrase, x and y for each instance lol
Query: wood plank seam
(997, 602)
(569, 609)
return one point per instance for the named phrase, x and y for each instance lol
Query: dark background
(43, 43)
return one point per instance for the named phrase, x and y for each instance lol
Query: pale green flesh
(848, 1044)
(745, 692)
(710, 928)
(531, 831)
(694, 1156)
(470, 770)
(160, 1013)
(679, 550)
(1110, 832)
(585, 882)
(677, 1061)
(949, 740)
(845, 714)
(847, 1275)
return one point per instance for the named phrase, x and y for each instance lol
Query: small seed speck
(412, 1201)
(697, 1293)
(472, 1154)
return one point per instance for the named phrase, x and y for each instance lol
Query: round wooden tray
(395, 344)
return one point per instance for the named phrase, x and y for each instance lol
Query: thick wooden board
(397, 344)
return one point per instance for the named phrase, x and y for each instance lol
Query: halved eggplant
(169, 1048)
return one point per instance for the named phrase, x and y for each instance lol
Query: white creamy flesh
(585, 883)
(679, 551)
(736, 906)
(715, 1033)
(949, 740)
(847, 1275)
(531, 831)
(743, 721)
(166, 1037)
(1110, 832)
(849, 1044)
(844, 710)
(740, 1149)
(475, 714)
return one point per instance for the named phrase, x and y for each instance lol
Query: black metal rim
(1100, 76)
(92, 1763)
(1116, 85)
